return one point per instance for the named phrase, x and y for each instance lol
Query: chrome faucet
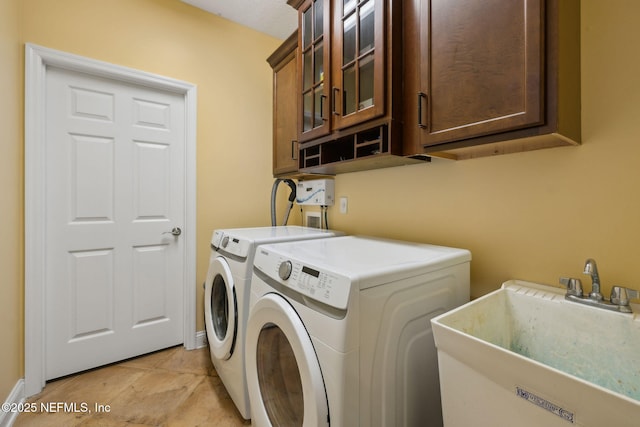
(591, 269)
(620, 296)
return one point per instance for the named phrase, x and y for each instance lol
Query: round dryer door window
(283, 373)
(220, 309)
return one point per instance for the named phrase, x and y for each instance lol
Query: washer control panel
(324, 286)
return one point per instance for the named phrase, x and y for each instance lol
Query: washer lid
(370, 261)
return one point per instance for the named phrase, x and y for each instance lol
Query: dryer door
(220, 309)
(283, 373)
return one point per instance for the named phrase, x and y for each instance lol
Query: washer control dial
(225, 241)
(284, 271)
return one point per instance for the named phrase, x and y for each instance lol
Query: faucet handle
(574, 286)
(621, 295)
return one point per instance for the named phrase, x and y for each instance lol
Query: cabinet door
(357, 61)
(481, 69)
(285, 129)
(314, 41)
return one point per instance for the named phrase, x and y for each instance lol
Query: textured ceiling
(273, 17)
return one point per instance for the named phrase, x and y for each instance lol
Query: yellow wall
(11, 155)
(536, 215)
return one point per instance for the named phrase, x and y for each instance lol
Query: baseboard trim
(16, 397)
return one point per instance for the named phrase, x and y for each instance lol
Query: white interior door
(115, 180)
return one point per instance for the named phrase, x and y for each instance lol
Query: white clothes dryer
(226, 298)
(339, 331)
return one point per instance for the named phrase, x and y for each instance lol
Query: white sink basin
(525, 356)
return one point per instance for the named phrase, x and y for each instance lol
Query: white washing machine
(226, 298)
(339, 331)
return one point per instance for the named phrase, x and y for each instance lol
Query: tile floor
(173, 387)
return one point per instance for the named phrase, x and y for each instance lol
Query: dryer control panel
(230, 244)
(329, 288)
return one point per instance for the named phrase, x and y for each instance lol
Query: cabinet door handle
(294, 151)
(421, 95)
(336, 92)
(322, 98)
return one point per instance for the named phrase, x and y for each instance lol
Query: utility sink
(525, 356)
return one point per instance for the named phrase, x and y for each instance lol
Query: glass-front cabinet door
(314, 41)
(358, 61)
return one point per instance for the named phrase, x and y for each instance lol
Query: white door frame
(37, 60)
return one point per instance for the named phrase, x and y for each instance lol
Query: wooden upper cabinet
(489, 71)
(341, 63)
(285, 97)
(483, 69)
(314, 47)
(385, 82)
(357, 72)
(350, 109)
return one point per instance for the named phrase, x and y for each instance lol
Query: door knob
(176, 231)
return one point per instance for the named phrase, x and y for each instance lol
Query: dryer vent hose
(292, 198)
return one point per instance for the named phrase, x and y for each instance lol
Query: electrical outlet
(344, 205)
